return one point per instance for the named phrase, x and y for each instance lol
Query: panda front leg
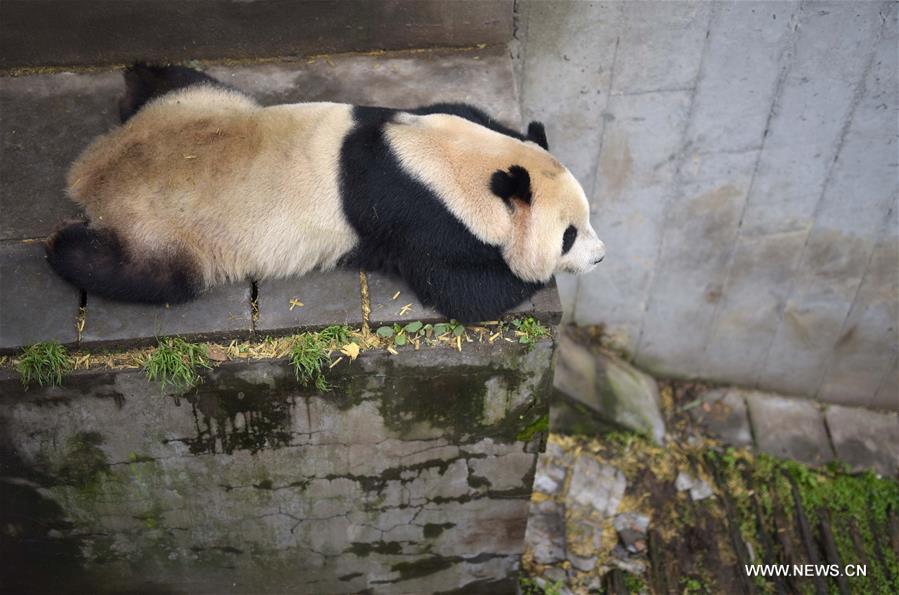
(469, 294)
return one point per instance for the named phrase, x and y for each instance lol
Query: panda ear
(513, 183)
(537, 133)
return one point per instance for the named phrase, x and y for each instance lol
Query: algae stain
(236, 414)
(84, 464)
(421, 567)
(363, 549)
(538, 426)
(434, 530)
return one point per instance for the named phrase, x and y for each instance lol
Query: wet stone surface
(392, 301)
(251, 483)
(222, 311)
(546, 531)
(865, 439)
(789, 428)
(35, 304)
(48, 120)
(481, 77)
(313, 300)
(722, 412)
(596, 485)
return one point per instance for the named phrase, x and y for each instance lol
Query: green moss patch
(762, 510)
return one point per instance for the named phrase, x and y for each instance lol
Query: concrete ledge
(411, 475)
(50, 118)
(92, 32)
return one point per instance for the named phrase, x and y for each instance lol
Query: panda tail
(95, 261)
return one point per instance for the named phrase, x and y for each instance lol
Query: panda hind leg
(96, 261)
(144, 82)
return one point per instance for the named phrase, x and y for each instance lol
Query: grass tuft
(175, 362)
(44, 363)
(529, 331)
(311, 351)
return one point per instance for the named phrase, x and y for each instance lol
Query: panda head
(550, 217)
(509, 192)
(551, 230)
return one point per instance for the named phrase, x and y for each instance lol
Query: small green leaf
(458, 330)
(400, 340)
(384, 331)
(441, 328)
(413, 327)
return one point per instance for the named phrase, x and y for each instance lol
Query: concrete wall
(412, 475)
(36, 33)
(741, 162)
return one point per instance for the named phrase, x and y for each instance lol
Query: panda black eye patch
(568, 238)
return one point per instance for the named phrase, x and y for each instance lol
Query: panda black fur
(201, 185)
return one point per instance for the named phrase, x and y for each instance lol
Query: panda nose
(600, 252)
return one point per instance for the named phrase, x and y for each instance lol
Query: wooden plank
(830, 546)
(808, 540)
(769, 552)
(659, 566)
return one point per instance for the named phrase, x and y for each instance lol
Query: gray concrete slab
(661, 52)
(809, 117)
(313, 300)
(887, 395)
(747, 317)
(736, 87)
(722, 413)
(544, 305)
(792, 172)
(66, 32)
(223, 311)
(840, 244)
(785, 129)
(701, 226)
(865, 439)
(35, 304)
(45, 122)
(633, 185)
(483, 77)
(566, 71)
(864, 357)
(789, 428)
(391, 300)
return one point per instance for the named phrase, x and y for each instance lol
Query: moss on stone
(84, 464)
(363, 549)
(422, 567)
(434, 530)
(541, 424)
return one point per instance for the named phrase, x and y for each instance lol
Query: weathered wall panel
(745, 172)
(412, 475)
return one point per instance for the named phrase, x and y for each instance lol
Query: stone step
(38, 33)
(50, 118)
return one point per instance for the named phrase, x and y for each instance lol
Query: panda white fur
(201, 185)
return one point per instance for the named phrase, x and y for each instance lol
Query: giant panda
(201, 185)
